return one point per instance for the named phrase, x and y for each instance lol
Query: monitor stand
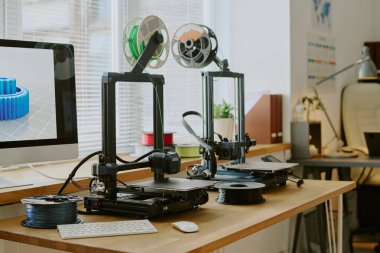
(5, 183)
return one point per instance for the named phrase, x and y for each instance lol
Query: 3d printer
(144, 44)
(195, 46)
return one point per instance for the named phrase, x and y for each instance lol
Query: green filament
(136, 49)
(132, 42)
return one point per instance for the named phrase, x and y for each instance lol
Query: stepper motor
(14, 101)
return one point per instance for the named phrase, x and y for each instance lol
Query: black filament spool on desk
(48, 211)
(240, 193)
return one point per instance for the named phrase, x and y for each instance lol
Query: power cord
(72, 174)
(139, 158)
(51, 177)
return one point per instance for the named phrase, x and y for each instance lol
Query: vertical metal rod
(332, 227)
(108, 120)
(340, 224)
(210, 115)
(158, 114)
(210, 118)
(204, 107)
(241, 121)
(296, 232)
(208, 104)
(208, 111)
(328, 225)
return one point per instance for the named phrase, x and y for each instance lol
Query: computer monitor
(38, 119)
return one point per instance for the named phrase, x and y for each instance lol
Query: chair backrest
(360, 111)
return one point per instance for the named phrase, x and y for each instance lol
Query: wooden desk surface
(42, 185)
(219, 225)
(361, 161)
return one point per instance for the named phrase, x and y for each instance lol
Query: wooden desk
(219, 225)
(42, 185)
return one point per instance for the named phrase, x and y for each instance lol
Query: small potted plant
(224, 120)
(311, 104)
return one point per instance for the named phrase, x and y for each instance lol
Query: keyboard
(99, 229)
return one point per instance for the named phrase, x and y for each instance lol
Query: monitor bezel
(65, 134)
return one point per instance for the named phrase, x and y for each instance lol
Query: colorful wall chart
(320, 59)
(321, 15)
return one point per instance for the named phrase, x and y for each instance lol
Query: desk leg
(296, 232)
(340, 223)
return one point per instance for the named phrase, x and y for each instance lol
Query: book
(263, 121)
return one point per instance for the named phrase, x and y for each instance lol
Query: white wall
(375, 12)
(260, 48)
(258, 35)
(353, 22)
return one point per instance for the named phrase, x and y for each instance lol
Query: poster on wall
(320, 60)
(321, 15)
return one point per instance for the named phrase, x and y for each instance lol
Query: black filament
(243, 196)
(49, 216)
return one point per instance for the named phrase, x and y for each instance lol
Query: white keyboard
(98, 229)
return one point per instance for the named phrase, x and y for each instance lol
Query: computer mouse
(185, 226)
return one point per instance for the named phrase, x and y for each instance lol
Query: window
(94, 27)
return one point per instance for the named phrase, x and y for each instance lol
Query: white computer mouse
(185, 226)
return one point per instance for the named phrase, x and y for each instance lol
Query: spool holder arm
(148, 52)
(222, 64)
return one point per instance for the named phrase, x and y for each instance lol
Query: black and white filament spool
(240, 193)
(48, 211)
(194, 46)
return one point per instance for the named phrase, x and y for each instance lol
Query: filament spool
(136, 36)
(240, 193)
(48, 211)
(194, 46)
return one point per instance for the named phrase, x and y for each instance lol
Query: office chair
(360, 113)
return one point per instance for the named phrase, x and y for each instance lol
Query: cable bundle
(48, 211)
(240, 193)
(136, 36)
(194, 46)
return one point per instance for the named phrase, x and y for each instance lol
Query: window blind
(95, 28)
(183, 87)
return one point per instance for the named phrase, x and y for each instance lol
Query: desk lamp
(367, 70)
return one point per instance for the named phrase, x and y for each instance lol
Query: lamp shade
(367, 69)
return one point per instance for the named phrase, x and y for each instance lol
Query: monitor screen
(37, 102)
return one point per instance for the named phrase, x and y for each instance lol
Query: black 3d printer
(144, 43)
(195, 46)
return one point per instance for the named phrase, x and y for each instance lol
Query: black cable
(122, 183)
(139, 158)
(72, 174)
(77, 185)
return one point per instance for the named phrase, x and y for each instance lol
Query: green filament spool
(136, 36)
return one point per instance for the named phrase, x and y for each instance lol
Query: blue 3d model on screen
(14, 101)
